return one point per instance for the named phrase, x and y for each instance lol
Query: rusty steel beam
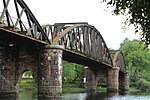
(84, 39)
(7, 13)
(17, 11)
(7, 35)
(18, 25)
(119, 61)
(33, 19)
(4, 10)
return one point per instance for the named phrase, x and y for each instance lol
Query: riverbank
(66, 87)
(76, 88)
(27, 85)
(134, 89)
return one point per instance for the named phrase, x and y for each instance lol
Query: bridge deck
(78, 58)
(10, 35)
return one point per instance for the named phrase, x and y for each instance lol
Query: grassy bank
(66, 87)
(72, 88)
(134, 89)
(78, 88)
(27, 85)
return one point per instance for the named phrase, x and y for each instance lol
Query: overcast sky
(91, 11)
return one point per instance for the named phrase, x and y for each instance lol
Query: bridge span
(26, 45)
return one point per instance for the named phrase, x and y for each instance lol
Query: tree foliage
(72, 72)
(138, 13)
(27, 74)
(137, 59)
(68, 71)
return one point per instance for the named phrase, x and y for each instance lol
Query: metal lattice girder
(4, 10)
(19, 26)
(83, 39)
(119, 61)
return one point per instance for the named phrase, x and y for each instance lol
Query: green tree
(27, 74)
(72, 72)
(137, 13)
(79, 72)
(69, 72)
(137, 59)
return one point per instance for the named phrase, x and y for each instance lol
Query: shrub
(143, 85)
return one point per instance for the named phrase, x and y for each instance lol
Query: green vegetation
(27, 74)
(72, 73)
(138, 63)
(27, 84)
(72, 88)
(72, 79)
(138, 66)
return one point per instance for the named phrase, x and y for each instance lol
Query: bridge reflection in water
(86, 96)
(68, 96)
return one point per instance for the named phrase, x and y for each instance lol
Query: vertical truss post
(30, 30)
(7, 13)
(19, 18)
(17, 11)
(35, 32)
(4, 10)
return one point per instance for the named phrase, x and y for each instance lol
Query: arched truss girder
(119, 61)
(30, 27)
(84, 39)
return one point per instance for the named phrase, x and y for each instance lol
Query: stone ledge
(53, 47)
(9, 95)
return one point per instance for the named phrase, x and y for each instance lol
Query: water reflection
(51, 98)
(96, 96)
(8, 99)
(27, 95)
(30, 95)
(124, 93)
(74, 96)
(100, 96)
(89, 96)
(130, 98)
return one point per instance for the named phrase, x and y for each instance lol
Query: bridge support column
(124, 82)
(112, 79)
(8, 86)
(90, 83)
(50, 72)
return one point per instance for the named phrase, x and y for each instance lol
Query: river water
(29, 95)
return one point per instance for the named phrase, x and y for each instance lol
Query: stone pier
(90, 83)
(8, 86)
(124, 82)
(112, 79)
(50, 72)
